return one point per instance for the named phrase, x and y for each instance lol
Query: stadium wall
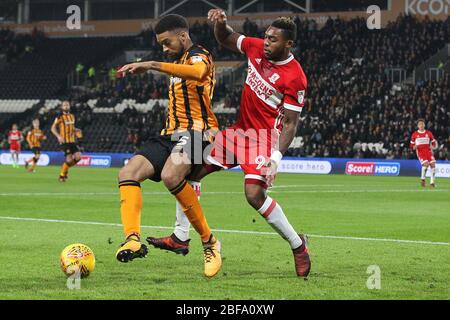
(431, 9)
(350, 166)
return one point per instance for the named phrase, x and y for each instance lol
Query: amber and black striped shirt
(34, 138)
(190, 106)
(66, 127)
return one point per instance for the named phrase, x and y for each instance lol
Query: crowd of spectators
(14, 45)
(140, 88)
(351, 100)
(388, 121)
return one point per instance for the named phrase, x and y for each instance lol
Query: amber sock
(64, 169)
(130, 206)
(188, 200)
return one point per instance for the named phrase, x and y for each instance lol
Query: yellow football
(77, 259)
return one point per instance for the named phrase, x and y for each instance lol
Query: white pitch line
(313, 185)
(230, 231)
(68, 194)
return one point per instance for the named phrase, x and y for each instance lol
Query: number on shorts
(260, 161)
(183, 141)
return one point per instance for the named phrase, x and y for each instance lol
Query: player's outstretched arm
(184, 71)
(135, 68)
(224, 34)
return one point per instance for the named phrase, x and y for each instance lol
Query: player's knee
(127, 173)
(170, 179)
(255, 197)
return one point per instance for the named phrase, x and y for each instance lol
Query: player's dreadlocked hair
(288, 26)
(171, 22)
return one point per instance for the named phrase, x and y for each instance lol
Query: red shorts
(231, 149)
(425, 155)
(14, 147)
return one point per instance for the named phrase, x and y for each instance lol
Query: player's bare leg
(68, 162)
(175, 170)
(425, 165)
(33, 161)
(433, 174)
(27, 163)
(130, 176)
(273, 213)
(71, 160)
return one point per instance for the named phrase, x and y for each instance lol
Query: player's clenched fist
(217, 15)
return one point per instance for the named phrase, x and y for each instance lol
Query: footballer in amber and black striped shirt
(64, 130)
(34, 139)
(189, 129)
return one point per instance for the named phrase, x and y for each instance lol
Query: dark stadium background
(366, 87)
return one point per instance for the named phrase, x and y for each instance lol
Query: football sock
(433, 174)
(275, 216)
(424, 171)
(64, 169)
(188, 201)
(182, 223)
(130, 206)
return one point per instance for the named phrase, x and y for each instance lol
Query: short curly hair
(171, 22)
(288, 26)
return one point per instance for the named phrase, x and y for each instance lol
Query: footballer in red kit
(271, 88)
(14, 139)
(271, 102)
(422, 141)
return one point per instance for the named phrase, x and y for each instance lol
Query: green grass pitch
(352, 223)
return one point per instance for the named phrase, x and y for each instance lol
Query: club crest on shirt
(175, 80)
(273, 78)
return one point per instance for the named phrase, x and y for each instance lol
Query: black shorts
(158, 149)
(69, 148)
(36, 150)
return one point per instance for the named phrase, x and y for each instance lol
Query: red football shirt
(422, 141)
(270, 88)
(14, 137)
